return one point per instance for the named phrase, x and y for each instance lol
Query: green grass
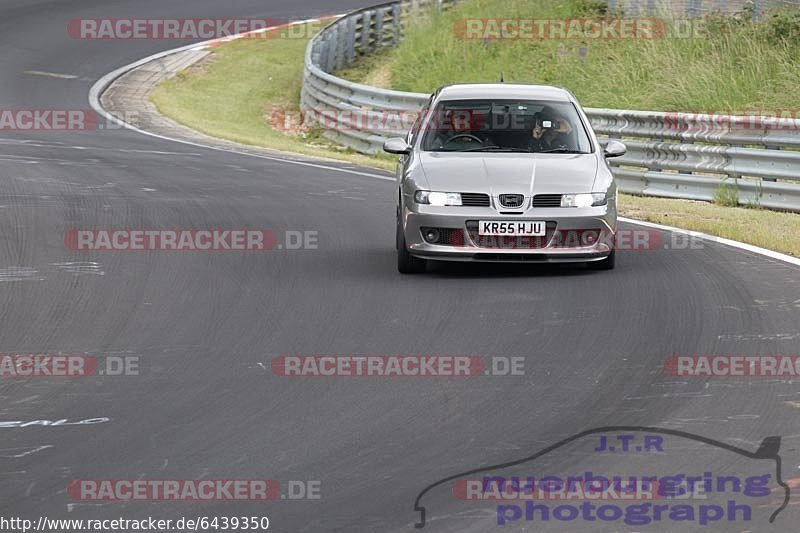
(727, 195)
(769, 229)
(234, 93)
(733, 65)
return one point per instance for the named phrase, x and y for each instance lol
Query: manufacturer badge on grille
(511, 200)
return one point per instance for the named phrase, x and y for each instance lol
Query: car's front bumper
(560, 245)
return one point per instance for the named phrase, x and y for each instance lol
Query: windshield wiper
(495, 149)
(560, 151)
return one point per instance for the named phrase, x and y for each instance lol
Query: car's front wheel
(606, 264)
(406, 263)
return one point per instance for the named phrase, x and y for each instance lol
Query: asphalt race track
(205, 326)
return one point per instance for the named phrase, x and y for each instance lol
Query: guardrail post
(330, 45)
(380, 15)
(315, 55)
(350, 41)
(397, 24)
(341, 46)
(366, 32)
(760, 7)
(693, 9)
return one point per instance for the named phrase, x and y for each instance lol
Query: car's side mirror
(396, 145)
(615, 149)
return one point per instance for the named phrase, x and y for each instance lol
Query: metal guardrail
(346, 107)
(677, 155)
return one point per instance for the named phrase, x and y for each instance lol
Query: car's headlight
(583, 200)
(437, 198)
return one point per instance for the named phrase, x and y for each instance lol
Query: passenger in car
(551, 132)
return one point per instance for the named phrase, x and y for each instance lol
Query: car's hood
(509, 173)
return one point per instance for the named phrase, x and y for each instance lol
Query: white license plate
(522, 228)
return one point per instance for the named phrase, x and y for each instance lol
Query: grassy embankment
(241, 91)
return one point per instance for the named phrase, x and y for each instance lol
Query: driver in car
(460, 131)
(550, 133)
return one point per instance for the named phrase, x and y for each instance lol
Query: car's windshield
(505, 126)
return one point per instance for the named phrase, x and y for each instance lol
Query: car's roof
(503, 90)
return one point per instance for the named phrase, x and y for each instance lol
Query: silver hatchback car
(504, 173)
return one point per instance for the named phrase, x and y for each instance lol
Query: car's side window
(415, 129)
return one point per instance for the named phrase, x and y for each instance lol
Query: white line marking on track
(80, 267)
(19, 273)
(27, 451)
(759, 337)
(52, 75)
(721, 240)
(63, 146)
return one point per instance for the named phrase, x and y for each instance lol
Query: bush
(783, 26)
(727, 194)
(589, 8)
(727, 23)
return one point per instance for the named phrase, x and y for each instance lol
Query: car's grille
(547, 200)
(511, 201)
(452, 237)
(474, 199)
(509, 243)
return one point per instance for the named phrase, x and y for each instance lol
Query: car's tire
(407, 263)
(606, 264)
